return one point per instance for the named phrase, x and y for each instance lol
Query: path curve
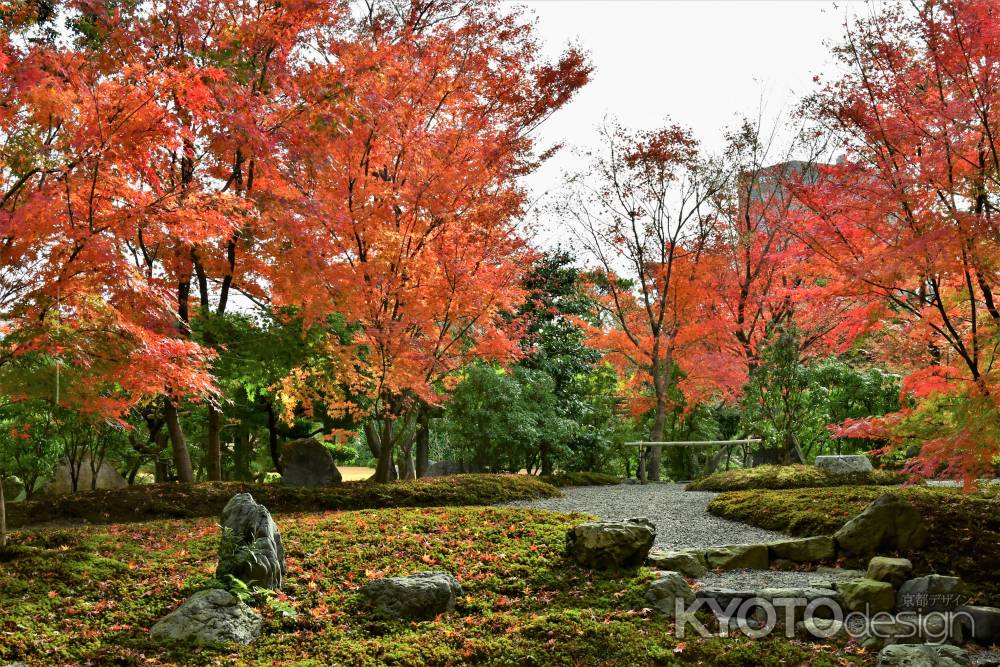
(681, 517)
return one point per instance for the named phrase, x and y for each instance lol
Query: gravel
(742, 580)
(681, 518)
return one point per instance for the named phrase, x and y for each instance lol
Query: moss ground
(88, 595)
(790, 477)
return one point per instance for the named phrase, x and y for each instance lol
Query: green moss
(791, 477)
(156, 501)
(580, 479)
(964, 528)
(89, 596)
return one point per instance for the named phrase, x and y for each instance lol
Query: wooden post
(642, 465)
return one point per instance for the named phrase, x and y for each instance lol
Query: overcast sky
(701, 63)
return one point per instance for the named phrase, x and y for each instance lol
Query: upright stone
(665, 592)
(841, 465)
(606, 544)
(307, 462)
(867, 595)
(250, 548)
(889, 523)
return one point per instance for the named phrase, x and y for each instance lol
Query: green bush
(964, 529)
(791, 477)
(157, 501)
(580, 479)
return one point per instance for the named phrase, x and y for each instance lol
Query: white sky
(701, 63)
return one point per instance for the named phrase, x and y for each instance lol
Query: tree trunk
(182, 457)
(242, 454)
(213, 445)
(545, 452)
(406, 468)
(385, 470)
(423, 442)
(272, 437)
(656, 435)
(3, 516)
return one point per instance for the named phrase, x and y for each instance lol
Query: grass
(964, 528)
(791, 477)
(88, 595)
(153, 501)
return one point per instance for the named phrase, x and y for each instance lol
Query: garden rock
(62, 479)
(820, 628)
(933, 592)
(785, 599)
(210, 617)
(806, 550)
(737, 556)
(690, 564)
(13, 490)
(981, 624)
(418, 597)
(922, 655)
(307, 462)
(887, 524)
(893, 570)
(250, 548)
(605, 544)
(840, 465)
(867, 595)
(664, 593)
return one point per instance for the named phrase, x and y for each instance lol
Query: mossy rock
(738, 556)
(867, 595)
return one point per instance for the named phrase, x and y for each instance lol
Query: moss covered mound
(88, 595)
(964, 528)
(158, 501)
(791, 477)
(580, 479)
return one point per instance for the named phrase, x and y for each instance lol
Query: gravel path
(683, 522)
(681, 518)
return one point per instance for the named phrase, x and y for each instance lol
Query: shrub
(580, 479)
(153, 501)
(791, 477)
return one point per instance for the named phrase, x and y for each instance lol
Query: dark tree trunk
(3, 516)
(242, 455)
(213, 445)
(423, 442)
(385, 469)
(272, 437)
(545, 453)
(182, 457)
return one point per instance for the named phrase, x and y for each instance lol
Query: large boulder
(62, 479)
(418, 597)
(250, 548)
(738, 556)
(867, 595)
(805, 550)
(981, 624)
(307, 462)
(888, 524)
(689, 563)
(665, 592)
(210, 617)
(922, 655)
(893, 570)
(841, 465)
(933, 592)
(606, 544)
